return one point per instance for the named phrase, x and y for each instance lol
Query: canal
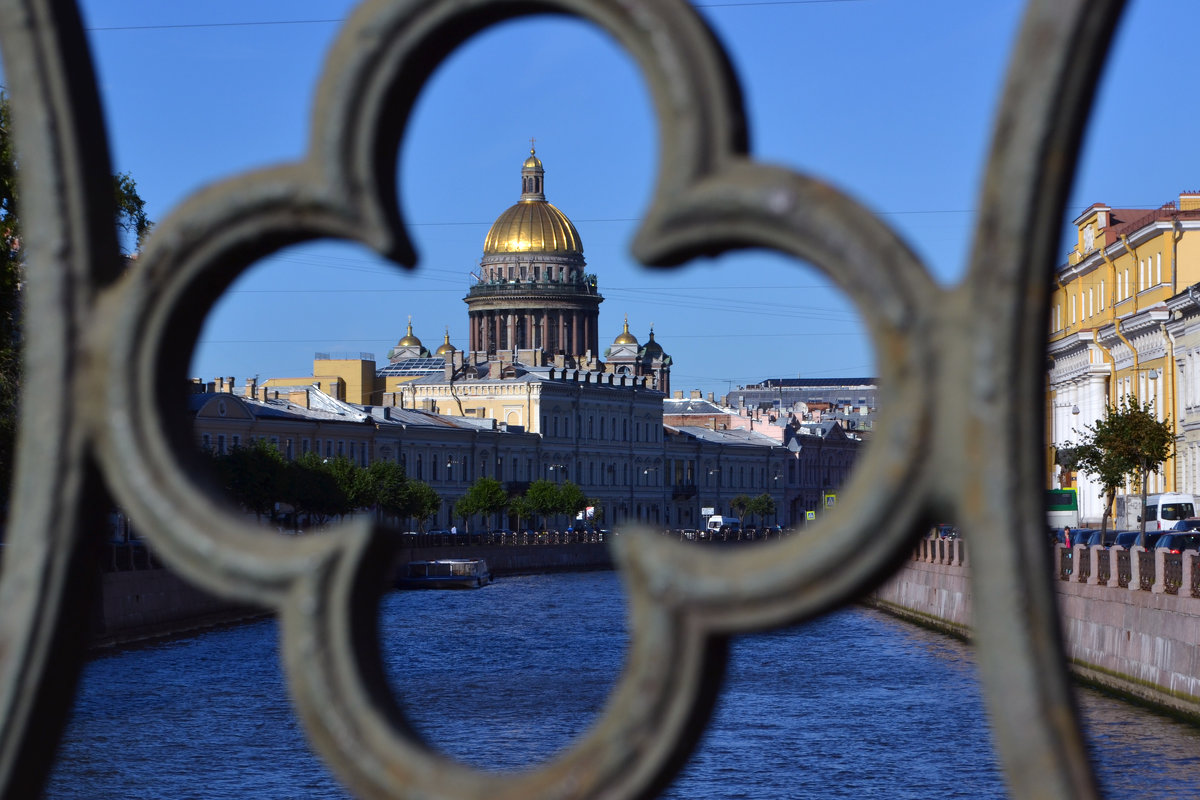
(854, 704)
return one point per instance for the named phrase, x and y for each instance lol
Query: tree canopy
(132, 224)
(484, 497)
(1127, 444)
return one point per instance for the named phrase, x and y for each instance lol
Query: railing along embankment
(1130, 617)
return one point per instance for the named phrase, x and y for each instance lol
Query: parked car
(948, 531)
(1128, 539)
(1105, 538)
(1189, 524)
(1177, 541)
(1078, 535)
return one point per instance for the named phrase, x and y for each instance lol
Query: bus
(1062, 508)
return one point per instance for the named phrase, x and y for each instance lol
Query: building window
(206, 442)
(1157, 268)
(220, 444)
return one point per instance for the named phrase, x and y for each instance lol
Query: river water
(855, 704)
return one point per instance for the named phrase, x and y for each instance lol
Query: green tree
(763, 506)
(597, 511)
(254, 476)
(520, 507)
(571, 500)
(542, 499)
(384, 485)
(353, 484)
(485, 497)
(312, 490)
(420, 502)
(741, 506)
(1128, 443)
(131, 219)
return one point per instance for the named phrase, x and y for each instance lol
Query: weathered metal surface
(960, 434)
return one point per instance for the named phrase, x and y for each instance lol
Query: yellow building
(1108, 309)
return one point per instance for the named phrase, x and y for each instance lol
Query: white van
(718, 523)
(1164, 510)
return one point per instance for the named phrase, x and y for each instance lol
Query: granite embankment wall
(150, 603)
(1133, 637)
(520, 559)
(139, 599)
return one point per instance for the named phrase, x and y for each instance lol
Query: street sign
(810, 515)
(707, 511)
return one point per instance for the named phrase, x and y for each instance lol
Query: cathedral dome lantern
(446, 348)
(533, 224)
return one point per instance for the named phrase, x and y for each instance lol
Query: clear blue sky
(890, 100)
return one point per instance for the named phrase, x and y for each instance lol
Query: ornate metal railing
(1124, 568)
(1066, 564)
(1104, 568)
(1084, 567)
(961, 379)
(1146, 569)
(1172, 572)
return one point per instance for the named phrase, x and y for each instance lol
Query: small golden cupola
(446, 348)
(626, 337)
(409, 340)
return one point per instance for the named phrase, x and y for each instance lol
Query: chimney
(711, 398)
(678, 394)
(696, 394)
(251, 387)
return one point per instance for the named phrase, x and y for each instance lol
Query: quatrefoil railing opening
(960, 435)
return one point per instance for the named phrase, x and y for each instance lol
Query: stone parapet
(1140, 639)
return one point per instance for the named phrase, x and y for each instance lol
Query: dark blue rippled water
(856, 704)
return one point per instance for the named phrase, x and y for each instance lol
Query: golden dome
(533, 225)
(446, 348)
(409, 340)
(626, 337)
